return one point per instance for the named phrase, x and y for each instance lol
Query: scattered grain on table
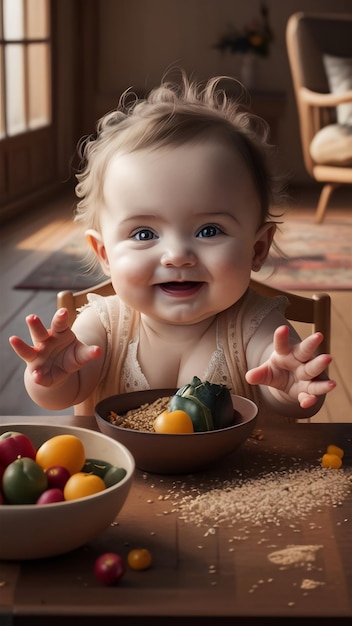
(267, 499)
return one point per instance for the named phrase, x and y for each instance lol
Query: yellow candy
(331, 461)
(332, 449)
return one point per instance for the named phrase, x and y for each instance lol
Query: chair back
(73, 300)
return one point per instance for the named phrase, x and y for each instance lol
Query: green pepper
(209, 405)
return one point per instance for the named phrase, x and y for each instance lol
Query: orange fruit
(139, 559)
(63, 450)
(81, 485)
(331, 460)
(332, 449)
(173, 422)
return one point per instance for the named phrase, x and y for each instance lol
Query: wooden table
(200, 573)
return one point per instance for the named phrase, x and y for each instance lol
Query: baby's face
(181, 227)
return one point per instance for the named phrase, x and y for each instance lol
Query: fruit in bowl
(82, 517)
(174, 452)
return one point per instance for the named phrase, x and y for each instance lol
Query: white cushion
(339, 74)
(332, 145)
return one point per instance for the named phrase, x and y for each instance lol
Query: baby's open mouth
(181, 288)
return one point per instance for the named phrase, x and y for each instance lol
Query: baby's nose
(177, 255)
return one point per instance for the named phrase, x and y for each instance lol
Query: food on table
(207, 405)
(109, 568)
(57, 476)
(332, 457)
(14, 445)
(141, 418)
(96, 466)
(332, 449)
(171, 422)
(81, 485)
(51, 495)
(51, 474)
(23, 481)
(65, 450)
(139, 559)
(114, 475)
(331, 460)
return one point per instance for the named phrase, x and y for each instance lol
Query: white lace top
(235, 327)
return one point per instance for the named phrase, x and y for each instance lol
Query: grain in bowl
(141, 418)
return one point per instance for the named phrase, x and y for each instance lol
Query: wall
(139, 39)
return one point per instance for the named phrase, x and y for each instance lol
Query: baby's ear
(95, 241)
(264, 239)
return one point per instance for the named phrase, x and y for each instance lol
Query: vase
(248, 70)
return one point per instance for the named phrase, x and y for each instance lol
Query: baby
(175, 199)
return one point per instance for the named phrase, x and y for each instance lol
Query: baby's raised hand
(56, 352)
(294, 369)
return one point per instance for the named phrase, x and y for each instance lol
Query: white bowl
(179, 453)
(29, 531)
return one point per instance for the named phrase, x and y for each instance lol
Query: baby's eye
(209, 231)
(144, 234)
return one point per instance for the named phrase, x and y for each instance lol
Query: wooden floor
(27, 241)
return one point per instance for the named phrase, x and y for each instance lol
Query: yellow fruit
(139, 559)
(173, 422)
(81, 485)
(332, 449)
(331, 460)
(62, 450)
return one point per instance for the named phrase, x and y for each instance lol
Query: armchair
(319, 48)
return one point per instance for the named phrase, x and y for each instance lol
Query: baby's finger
(22, 349)
(84, 353)
(37, 329)
(316, 366)
(320, 387)
(316, 388)
(307, 347)
(281, 340)
(306, 400)
(59, 323)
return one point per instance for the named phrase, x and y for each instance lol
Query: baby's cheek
(132, 272)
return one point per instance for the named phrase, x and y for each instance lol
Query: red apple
(50, 496)
(109, 568)
(57, 476)
(14, 445)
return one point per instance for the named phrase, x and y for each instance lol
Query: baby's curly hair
(174, 114)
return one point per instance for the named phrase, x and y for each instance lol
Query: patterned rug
(317, 257)
(64, 269)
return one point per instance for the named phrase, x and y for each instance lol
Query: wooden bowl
(176, 453)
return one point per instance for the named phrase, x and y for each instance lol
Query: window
(25, 62)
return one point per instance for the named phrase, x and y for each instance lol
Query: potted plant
(253, 40)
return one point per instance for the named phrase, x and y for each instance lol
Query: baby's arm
(291, 375)
(62, 369)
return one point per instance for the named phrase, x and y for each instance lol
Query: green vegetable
(209, 405)
(96, 466)
(23, 481)
(114, 475)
